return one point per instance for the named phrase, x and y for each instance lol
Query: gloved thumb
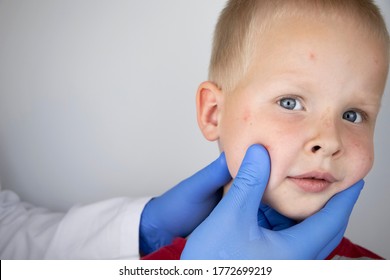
(327, 225)
(251, 180)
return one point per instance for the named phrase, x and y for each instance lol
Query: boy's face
(311, 97)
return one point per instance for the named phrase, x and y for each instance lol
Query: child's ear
(209, 100)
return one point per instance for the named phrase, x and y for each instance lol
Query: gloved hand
(181, 209)
(268, 218)
(236, 229)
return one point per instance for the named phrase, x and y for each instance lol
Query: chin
(295, 212)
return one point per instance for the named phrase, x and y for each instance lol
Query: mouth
(313, 182)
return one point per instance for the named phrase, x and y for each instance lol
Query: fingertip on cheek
(234, 158)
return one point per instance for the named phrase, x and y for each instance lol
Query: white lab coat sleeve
(103, 230)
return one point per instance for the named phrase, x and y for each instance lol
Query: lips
(313, 182)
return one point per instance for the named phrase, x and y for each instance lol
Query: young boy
(305, 79)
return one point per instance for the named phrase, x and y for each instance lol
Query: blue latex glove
(181, 209)
(270, 219)
(238, 228)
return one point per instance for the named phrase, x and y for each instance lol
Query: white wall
(97, 100)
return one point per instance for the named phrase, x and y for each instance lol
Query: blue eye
(290, 103)
(353, 116)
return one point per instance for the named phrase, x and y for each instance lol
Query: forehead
(309, 29)
(341, 16)
(294, 44)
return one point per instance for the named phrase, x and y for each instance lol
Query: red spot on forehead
(312, 56)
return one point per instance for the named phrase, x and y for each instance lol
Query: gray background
(97, 99)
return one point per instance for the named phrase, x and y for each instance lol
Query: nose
(325, 140)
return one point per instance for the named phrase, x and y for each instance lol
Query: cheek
(364, 154)
(359, 161)
(248, 128)
(364, 165)
(240, 130)
(234, 144)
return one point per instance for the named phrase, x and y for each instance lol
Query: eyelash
(362, 114)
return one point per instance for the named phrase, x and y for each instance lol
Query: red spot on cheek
(246, 116)
(267, 147)
(312, 56)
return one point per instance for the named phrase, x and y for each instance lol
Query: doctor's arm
(103, 230)
(111, 229)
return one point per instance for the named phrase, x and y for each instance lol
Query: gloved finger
(329, 247)
(262, 219)
(327, 223)
(206, 181)
(251, 180)
(275, 220)
(339, 208)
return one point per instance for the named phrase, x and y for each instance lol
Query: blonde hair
(241, 21)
